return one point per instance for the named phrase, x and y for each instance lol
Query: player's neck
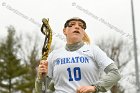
(74, 47)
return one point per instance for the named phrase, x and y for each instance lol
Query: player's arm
(38, 84)
(112, 74)
(41, 75)
(107, 81)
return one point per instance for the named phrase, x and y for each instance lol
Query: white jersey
(72, 69)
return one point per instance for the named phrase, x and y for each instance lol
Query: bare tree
(30, 57)
(120, 51)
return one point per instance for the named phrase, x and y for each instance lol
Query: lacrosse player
(76, 67)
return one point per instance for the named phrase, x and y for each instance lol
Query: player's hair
(86, 37)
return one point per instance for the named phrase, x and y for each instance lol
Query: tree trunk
(10, 85)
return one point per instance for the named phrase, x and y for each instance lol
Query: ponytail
(86, 38)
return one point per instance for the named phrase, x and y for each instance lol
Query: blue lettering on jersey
(57, 62)
(81, 59)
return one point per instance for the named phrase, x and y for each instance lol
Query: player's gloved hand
(86, 89)
(42, 69)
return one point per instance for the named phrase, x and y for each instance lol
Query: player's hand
(86, 89)
(42, 69)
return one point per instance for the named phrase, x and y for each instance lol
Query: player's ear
(64, 31)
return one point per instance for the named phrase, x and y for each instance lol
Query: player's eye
(71, 24)
(81, 25)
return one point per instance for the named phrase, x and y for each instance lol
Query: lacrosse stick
(47, 31)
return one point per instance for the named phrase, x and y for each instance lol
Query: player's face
(74, 32)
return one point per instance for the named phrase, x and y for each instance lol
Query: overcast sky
(103, 17)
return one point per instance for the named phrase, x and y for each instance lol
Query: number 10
(77, 74)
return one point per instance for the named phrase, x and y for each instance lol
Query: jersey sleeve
(101, 58)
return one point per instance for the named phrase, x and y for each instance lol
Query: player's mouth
(76, 32)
